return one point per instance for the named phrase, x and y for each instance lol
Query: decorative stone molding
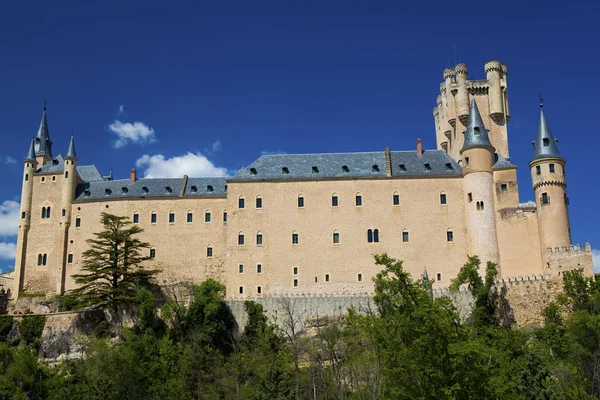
(550, 183)
(449, 73)
(461, 69)
(492, 66)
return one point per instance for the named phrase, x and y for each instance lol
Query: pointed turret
(545, 144)
(71, 151)
(425, 275)
(31, 152)
(43, 145)
(476, 135)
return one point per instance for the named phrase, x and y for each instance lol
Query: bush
(6, 323)
(31, 328)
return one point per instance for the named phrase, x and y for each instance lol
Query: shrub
(31, 328)
(6, 323)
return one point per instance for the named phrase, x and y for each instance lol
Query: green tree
(113, 265)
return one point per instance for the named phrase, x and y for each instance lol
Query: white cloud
(121, 109)
(193, 165)
(596, 260)
(7, 160)
(7, 251)
(216, 146)
(9, 218)
(138, 132)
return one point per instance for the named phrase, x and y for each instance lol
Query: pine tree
(112, 265)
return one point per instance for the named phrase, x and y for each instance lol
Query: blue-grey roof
(159, 187)
(31, 152)
(87, 173)
(545, 144)
(476, 135)
(502, 162)
(43, 145)
(431, 162)
(55, 165)
(351, 165)
(71, 150)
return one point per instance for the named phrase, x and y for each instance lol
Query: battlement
(567, 250)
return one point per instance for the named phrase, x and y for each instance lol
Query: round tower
(477, 162)
(550, 184)
(29, 168)
(493, 70)
(449, 76)
(462, 93)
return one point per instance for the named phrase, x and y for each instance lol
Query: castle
(298, 224)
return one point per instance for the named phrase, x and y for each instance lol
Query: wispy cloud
(271, 153)
(9, 218)
(596, 259)
(135, 133)
(193, 165)
(7, 160)
(121, 109)
(7, 250)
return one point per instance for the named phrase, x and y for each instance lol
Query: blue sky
(212, 85)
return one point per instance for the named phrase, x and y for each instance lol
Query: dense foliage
(407, 346)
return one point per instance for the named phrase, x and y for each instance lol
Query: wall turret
(549, 184)
(493, 70)
(43, 145)
(478, 183)
(462, 93)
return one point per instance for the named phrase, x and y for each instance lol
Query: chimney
(419, 147)
(132, 175)
(388, 162)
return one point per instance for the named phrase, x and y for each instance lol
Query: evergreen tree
(112, 265)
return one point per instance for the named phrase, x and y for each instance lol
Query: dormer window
(315, 170)
(145, 189)
(55, 161)
(168, 189)
(476, 130)
(546, 142)
(107, 192)
(345, 169)
(448, 167)
(86, 193)
(209, 188)
(124, 190)
(194, 189)
(285, 170)
(428, 167)
(252, 171)
(375, 168)
(402, 167)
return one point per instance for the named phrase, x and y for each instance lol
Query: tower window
(504, 187)
(224, 216)
(551, 166)
(241, 202)
(396, 199)
(470, 197)
(241, 268)
(259, 239)
(566, 201)
(43, 178)
(300, 201)
(258, 202)
(546, 141)
(209, 251)
(359, 277)
(376, 235)
(443, 198)
(450, 236)
(40, 259)
(44, 259)
(439, 276)
(476, 130)
(326, 277)
(358, 200)
(190, 217)
(153, 218)
(66, 174)
(23, 214)
(259, 268)
(77, 222)
(152, 253)
(466, 160)
(207, 216)
(240, 239)
(405, 236)
(336, 237)
(64, 212)
(136, 218)
(294, 238)
(370, 236)
(295, 270)
(258, 290)
(334, 201)
(295, 282)
(70, 258)
(54, 179)
(171, 218)
(26, 177)
(545, 198)
(538, 170)
(241, 290)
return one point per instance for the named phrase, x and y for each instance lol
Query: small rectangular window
(295, 270)
(152, 253)
(360, 277)
(64, 212)
(258, 290)
(358, 200)
(439, 276)
(241, 290)
(241, 202)
(153, 218)
(538, 170)
(326, 277)
(171, 218)
(258, 202)
(334, 201)
(442, 198)
(504, 187)
(190, 217)
(70, 258)
(336, 237)
(545, 198)
(450, 236)
(207, 216)
(259, 239)
(294, 238)
(209, 252)
(136, 218)
(551, 166)
(77, 222)
(241, 268)
(300, 202)
(23, 215)
(224, 216)
(470, 197)
(396, 199)
(295, 282)
(240, 240)
(405, 237)
(259, 268)
(467, 160)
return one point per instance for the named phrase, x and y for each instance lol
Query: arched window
(44, 259)
(40, 259)
(259, 239)
(171, 217)
(449, 236)
(26, 177)
(443, 199)
(48, 212)
(190, 217)
(370, 236)
(376, 235)
(136, 217)
(70, 258)
(43, 212)
(77, 222)
(358, 200)
(153, 217)
(225, 216)
(336, 237)
(396, 199)
(334, 200)
(43, 178)
(405, 237)
(295, 237)
(482, 205)
(66, 174)
(241, 203)
(258, 202)
(209, 251)
(207, 216)
(240, 239)
(300, 201)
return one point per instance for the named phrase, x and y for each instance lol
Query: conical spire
(71, 151)
(425, 275)
(545, 144)
(43, 145)
(31, 152)
(476, 135)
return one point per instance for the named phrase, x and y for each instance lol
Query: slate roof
(476, 135)
(88, 173)
(502, 162)
(545, 144)
(159, 187)
(43, 145)
(351, 165)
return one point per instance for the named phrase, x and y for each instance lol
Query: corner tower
(550, 184)
(478, 183)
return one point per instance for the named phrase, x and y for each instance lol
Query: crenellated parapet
(566, 258)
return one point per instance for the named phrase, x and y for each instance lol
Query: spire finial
(541, 100)
(71, 150)
(45, 104)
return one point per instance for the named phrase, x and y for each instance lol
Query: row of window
(334, 200)
(551, 169)
(545, 199)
